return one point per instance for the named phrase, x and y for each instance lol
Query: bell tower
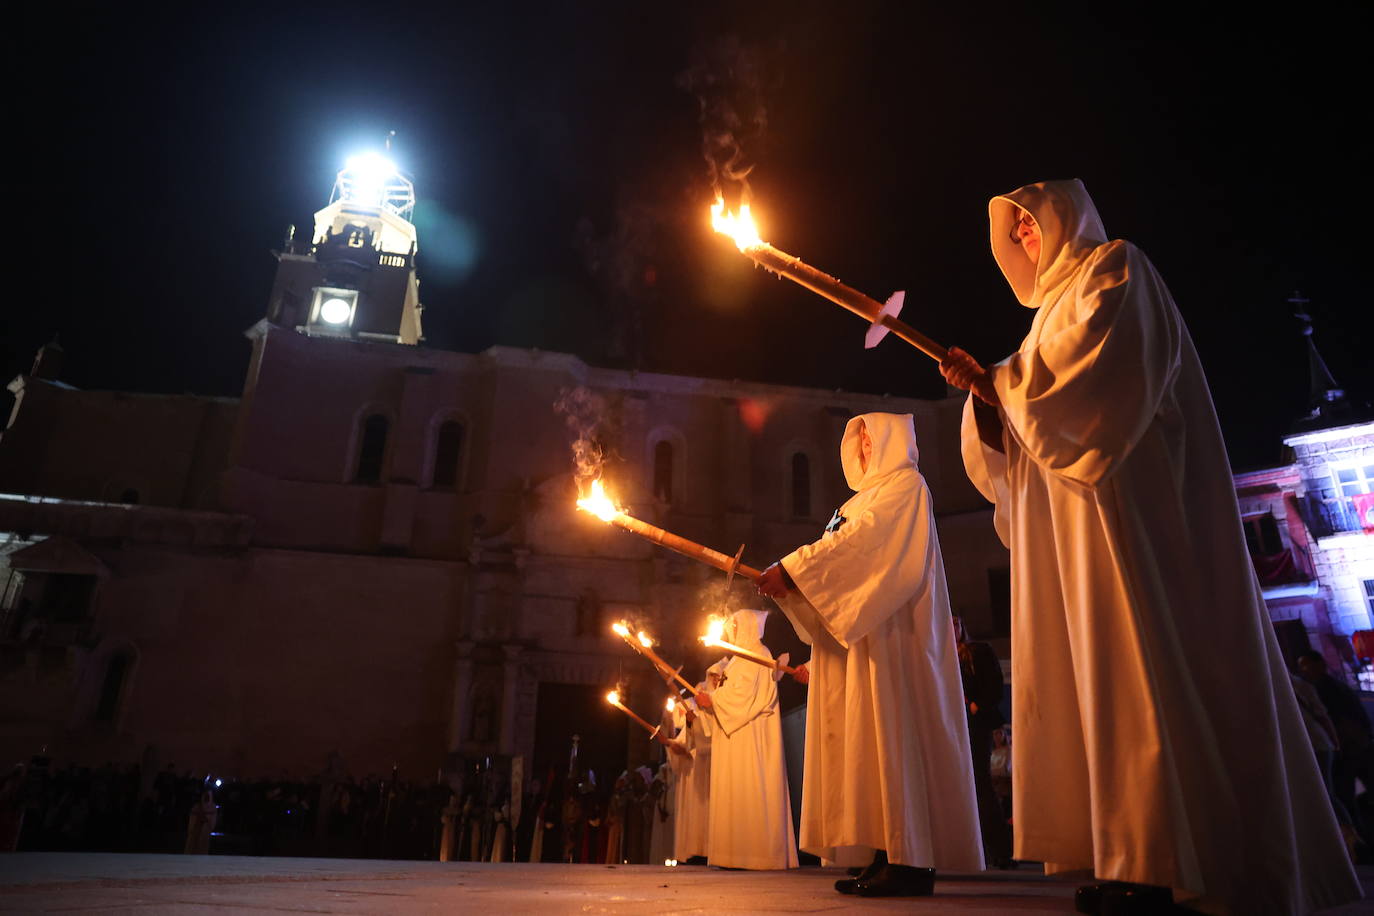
(357, 278)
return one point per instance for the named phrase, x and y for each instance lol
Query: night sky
(557, 156)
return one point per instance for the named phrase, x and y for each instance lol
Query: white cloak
(887, 755)
(692, 784)
(751, 810)
(1157, 739)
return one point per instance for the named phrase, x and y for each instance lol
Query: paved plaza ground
(106, 882)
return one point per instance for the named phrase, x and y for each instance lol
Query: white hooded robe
(887, 756)
(751, 810)
(1157, 737)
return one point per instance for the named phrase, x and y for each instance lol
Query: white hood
(894, 447)
(746, 628)
(1069, 229)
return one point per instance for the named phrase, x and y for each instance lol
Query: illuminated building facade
(374, 549)
(1309, 524)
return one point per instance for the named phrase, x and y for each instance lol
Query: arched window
(663, 471)
(448, 454)
(372, 449)
(801, 485)
(112, 689)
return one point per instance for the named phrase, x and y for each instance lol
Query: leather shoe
(1120, 898)
(1137, 900)
(1088, 898)
(850, 885)
(898, 881)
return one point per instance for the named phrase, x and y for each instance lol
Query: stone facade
(291, 582)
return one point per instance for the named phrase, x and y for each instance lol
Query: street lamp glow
(335, 311)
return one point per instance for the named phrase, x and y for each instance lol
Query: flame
(620, 629)
(739, 226)
(645, 641)
(714, 631)
(671, 704)
(613, 698)
(599, 504)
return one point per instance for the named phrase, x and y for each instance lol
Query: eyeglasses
(1025, 219)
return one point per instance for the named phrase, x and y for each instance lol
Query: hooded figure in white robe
(692, 780)
(1157, 737)
(751, 810)
(887, 755)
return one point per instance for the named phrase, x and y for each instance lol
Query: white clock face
(335, 311)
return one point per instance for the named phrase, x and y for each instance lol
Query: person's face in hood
(1026, 233)
(865, 446)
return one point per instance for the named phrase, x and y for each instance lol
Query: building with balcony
(1309, 524)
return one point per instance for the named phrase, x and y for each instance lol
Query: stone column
(462, 686)
(510, 675)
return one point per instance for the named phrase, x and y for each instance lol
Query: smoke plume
(730, 80)
(584, 411)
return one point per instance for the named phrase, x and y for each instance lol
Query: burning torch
(881, 318)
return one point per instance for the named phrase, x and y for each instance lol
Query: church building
(375, 551)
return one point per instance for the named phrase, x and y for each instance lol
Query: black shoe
(849, 885)
(1088, 898)
(1119, 898)
(1137, 900)
(898, 881)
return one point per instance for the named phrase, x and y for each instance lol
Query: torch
(614, 699)
(645, 647)
(713, 640)
(600, 505)
(881, 318)
(671, 706)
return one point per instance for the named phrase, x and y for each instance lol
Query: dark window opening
(1262, 536)
(448, 453)
(112, 688)
(801, 486)
(663, 471)
(372, 450)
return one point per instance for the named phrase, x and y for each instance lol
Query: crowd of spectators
(123, 809)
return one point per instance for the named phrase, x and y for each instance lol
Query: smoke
(730, 81)
(585, 412)
(713, 598)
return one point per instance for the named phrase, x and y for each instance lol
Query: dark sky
(166, 156)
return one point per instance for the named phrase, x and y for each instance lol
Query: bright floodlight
(373, 181)
(335, 311)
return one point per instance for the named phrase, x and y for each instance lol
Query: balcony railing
(1325, 517)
